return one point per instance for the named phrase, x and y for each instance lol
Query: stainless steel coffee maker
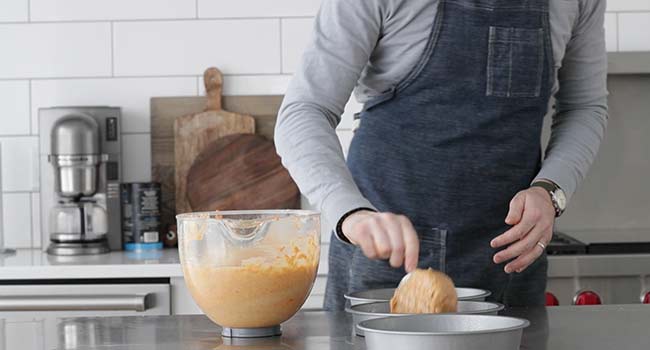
(80, 179)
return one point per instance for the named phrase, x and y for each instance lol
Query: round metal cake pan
(370, 311)
(384, 294)
(444, 331)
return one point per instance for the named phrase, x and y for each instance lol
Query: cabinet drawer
(71, 300)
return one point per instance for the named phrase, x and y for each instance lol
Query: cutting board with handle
(165, 110)
(240, 171)
(193, 132)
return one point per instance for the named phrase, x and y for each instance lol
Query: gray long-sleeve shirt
(369, 46)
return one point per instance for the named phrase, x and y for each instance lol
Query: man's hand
(384, 236)
(532, 215)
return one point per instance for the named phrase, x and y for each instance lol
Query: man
(446, 170)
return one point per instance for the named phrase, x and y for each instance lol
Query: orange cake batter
(425, 291)
(258, 292)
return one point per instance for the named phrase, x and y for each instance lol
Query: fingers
(523, 261)
(397, 242)
(522, 246)
(517, 232)
(387, 236)
(411, 245)
(531, 250)
(389, 224)
(383, 246)
(364, 239)
(516, 209)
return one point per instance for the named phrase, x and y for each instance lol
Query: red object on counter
(646, 298)
(551, 300)
(587, 297)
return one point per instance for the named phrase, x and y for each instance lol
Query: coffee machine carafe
(80, 185)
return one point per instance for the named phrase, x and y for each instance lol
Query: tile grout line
(186, 19)
(142, 76)
(29, 10)
(18, 192)
(196, 8)
(9, 136)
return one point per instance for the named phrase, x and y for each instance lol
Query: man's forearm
(575, 139)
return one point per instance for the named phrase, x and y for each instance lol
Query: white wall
(122, 52)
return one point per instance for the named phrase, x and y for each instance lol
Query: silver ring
(542, 245)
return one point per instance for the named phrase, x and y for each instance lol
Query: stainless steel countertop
(557, 328)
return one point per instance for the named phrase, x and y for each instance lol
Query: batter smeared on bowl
(258, 286)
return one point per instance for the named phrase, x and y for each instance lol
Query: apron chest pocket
(515, 62)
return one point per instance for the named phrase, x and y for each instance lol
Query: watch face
(560, 198)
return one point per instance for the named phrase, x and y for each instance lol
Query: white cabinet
(182, 302)
(78, 300)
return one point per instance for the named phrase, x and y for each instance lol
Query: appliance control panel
(112, 130)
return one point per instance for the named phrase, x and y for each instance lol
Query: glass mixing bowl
(249, 271)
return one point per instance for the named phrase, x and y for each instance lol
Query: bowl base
(251, 332)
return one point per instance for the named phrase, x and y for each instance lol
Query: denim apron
(451, 144)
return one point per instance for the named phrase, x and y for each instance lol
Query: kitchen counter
(33, 264)
(30, 264)
(557, 328)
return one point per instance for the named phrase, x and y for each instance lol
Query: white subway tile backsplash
(131, 94)
(14, 10)
(189, 47)
(247, 85)
(136, 157)
(19, 165)
(55, 50)
(628, 5)
(84, 10)
(257, 8)
(16, 218)
(611, 32)
(254, 85)
(36, 220)
(296, 33)
(633, 31)
(14, 107)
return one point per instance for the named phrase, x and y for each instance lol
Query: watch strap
(339, 226)
(545, 185)
(550, 188)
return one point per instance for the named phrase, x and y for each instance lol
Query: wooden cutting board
(193, 132)
(165, 110)
(240, 171)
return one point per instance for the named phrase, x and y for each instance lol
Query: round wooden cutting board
(193, 132)
(237, 172)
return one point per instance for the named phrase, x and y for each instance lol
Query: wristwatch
(557, 195)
